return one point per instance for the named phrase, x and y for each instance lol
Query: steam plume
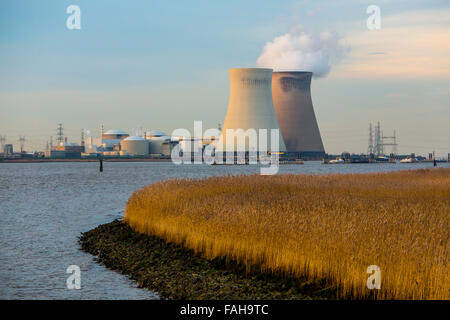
(299, 51)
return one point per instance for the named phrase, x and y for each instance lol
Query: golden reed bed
(328, 227)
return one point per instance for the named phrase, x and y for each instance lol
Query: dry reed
(329, 227)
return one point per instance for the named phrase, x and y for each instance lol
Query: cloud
(300, 51)
(413, 45)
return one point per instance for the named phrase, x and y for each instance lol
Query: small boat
(338, 160)
(407, 160)
(381, 159)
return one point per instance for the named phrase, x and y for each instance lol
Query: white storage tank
(134, 146)
(160, 145)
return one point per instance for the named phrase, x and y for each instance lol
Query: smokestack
(293, 106)
(250, 105)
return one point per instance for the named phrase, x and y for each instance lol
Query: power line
(379, 141)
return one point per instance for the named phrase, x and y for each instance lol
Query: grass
(327, 227)
(176, 273)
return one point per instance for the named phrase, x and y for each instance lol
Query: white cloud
(300, 51)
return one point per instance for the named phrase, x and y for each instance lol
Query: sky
(163, 64)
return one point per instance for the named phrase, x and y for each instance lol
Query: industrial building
(118, 143)
(8, 150)
(291, 92)
(65, 149)
(111, 139)
(160, 144)
(114, 134)
(250, 107)
(108, 143)
(134, 146)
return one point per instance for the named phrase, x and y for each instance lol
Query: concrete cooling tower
(250, 106)
(291, 93)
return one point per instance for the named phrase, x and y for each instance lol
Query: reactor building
(118, 143)
(291, 93)
(159, 143)
(134, 146)
(250, 107)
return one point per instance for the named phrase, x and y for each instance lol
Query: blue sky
(164, 64)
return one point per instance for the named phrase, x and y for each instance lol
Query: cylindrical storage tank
(291, 93)
(250, 106)
(158, 145)
(134, 146)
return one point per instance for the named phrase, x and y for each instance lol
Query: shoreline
(174, 272)
(44, 160)
(82, 160)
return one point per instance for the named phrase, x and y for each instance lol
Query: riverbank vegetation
(175, 272)
(323, 227)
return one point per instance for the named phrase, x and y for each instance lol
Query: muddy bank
(177, 273)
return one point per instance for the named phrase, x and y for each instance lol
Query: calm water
(45, 206)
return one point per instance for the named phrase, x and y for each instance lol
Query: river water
(45, 206)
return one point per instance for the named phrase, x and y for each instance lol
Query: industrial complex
(260, 100)
(115, 143)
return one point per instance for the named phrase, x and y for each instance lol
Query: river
(45, 206)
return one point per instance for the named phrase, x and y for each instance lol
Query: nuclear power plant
(250, 107)
(291, 93)
(260, 101)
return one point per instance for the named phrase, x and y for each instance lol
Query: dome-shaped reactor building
(250, 107)
(291, 92)
(114, 134)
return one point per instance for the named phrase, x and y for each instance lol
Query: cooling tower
(291, 93)
(250, 107)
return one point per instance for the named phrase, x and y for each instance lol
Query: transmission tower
(380, 141)
(22, 143)
(378, 144)
(2, 143)
(82, 137)
(393, 142)
(59, 133)
(370, 148)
